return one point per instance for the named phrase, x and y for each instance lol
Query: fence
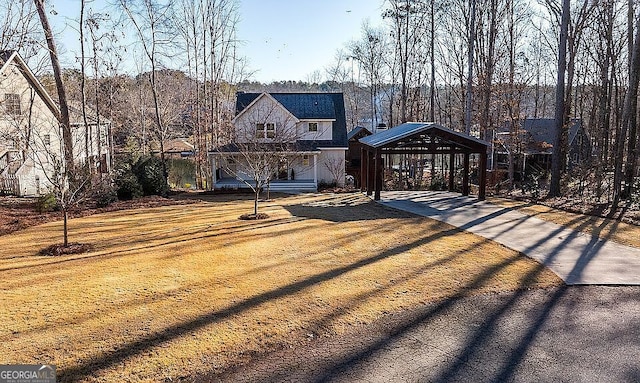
(9, 184)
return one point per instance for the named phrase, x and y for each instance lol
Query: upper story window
(12, 104)
(313, 126)
(271, 130)
(47, 139)
(267, 130)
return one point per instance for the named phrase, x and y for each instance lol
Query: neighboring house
(30, 133)
(304, 132)
(354, 155)
(177, 148)
(532, 143)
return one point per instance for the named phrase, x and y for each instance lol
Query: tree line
(468, 65)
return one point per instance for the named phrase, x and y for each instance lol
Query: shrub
(148, 170)
(128, 186)
(104, 192)
(46, 203)
(137, 178)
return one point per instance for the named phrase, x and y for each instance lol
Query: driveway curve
(576, 257)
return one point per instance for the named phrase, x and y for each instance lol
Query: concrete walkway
(578, 258)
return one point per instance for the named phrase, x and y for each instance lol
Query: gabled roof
(6, 57)
(304, 106)
(307, 106)
(358, 131)
(409, 129)
(245, 108)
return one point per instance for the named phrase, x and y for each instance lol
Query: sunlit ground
(610, 229)
(176, 291)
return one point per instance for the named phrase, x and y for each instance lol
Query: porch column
(452, 173)
(482, 182)
(315, 170)
(378, 174)
(214, 171)
(465, 175)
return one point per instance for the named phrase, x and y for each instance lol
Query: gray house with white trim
(306, 132)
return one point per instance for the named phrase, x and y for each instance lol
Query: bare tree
(151, 22)
(263, 140)
(66, 175)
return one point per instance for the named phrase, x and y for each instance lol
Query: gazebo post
(377, 177)
(452, 164)
(482, 168)
(465, 175)
(363, 169)
(369, 174)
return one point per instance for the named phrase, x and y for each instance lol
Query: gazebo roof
(411, 133)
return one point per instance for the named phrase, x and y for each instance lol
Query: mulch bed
(72, 248)
(252, 217)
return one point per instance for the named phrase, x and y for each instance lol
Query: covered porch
(403, 148)
(286, 172)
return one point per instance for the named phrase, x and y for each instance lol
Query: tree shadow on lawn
(466, 364)
(108, 359)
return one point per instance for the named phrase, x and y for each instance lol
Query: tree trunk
(472, 39)
(628, 118)
(558, 151)
(65, 242)
(62, 95)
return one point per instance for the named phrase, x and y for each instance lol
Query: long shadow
(541, 316)
(489, 325)
(123, 352)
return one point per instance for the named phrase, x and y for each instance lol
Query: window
(46, 139)
(267, 130)
(12, 104)
(313, 126)
(271, 130)
(260, 130)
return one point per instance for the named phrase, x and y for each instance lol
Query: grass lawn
(605, 228)
(175, 291)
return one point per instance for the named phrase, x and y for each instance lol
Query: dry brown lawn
(171, 292)
(605, 228)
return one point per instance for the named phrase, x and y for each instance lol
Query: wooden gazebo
(419, 138)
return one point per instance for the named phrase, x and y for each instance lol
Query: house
(30, 132)
(354, 156)
(296, 140)
(532, 145)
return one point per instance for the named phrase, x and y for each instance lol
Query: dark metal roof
(358, 130)
(309, 106)
(409, 129)
(302, 105)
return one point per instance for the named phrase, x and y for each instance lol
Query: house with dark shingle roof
(307, 131)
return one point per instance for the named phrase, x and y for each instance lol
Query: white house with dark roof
(306, 132)
(30, 133)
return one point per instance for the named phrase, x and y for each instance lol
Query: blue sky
(288, 40)
(282, 39)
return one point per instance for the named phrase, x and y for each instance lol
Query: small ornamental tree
(260, 141)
